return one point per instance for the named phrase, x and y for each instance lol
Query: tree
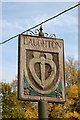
(71, 72)
(71, 108)
(11, 107)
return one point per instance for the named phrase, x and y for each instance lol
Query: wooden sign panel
(41, 69)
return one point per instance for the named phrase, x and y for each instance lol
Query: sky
(19, 16)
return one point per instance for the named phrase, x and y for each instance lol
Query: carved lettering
(44, 43)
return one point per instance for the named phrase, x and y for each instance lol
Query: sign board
(41, 69)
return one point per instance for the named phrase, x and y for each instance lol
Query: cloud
(19, 25)
(0, 75)
(9, 67)
(39, 0)
(0, 63)
(11, 25)
(7, 74)
(10, 29)
(65, 21)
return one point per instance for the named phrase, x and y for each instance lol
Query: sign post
(42, 105)
(41, 70)
(43, 109)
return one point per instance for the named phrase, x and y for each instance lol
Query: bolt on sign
(41, 69)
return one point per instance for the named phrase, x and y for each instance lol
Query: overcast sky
(19, 16)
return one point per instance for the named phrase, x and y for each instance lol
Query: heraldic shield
(40, 69)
